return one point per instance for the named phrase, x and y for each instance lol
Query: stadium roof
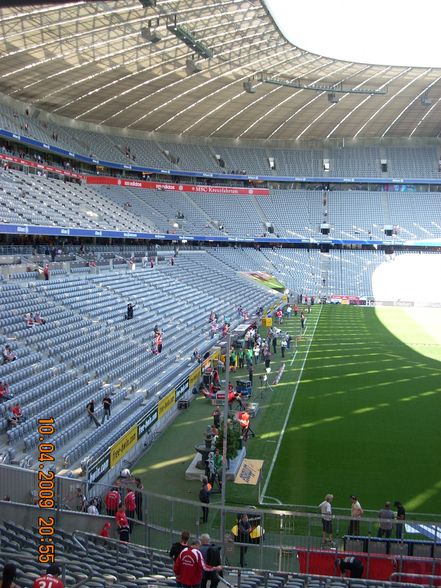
(202, 68)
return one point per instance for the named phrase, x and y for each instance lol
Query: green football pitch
(357, 411)
(365, 419)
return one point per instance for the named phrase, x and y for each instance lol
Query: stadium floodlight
(249, 87)
(333, 98)
(148, 3)
(425, 100)
(192, 66)
(189, 39)
(150, 34)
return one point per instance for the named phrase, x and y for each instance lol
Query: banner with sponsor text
(166, 187)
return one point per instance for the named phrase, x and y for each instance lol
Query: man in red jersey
(112, 501)
(130, 504)
(188, 566)
(50, 579)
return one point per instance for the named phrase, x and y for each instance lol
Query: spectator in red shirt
(122, 524)
(130, 503)
(17, 412)
(233, 397)
(50, 579)
(4, 391)
(46, 277)
(120, 516)
(112, 501)
(188, 566)
(105, 531)
(158, 341)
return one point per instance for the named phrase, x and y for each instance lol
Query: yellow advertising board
(249, 472)
(123, 445)
(194, 377)
(166, 403)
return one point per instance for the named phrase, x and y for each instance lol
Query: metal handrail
(406, 575)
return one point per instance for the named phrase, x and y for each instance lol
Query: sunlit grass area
(419, 328)
(365, 423)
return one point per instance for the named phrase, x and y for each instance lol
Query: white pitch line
(293, 358)
(282, 432)
(276, 500)
(295, 352)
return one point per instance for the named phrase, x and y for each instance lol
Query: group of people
(196, 562)
(257, 348)
(32, 320)
(216, 326)
(106, 404)
(124, 504)
(387, 519)
(125, 510)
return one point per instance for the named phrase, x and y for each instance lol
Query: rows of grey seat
(71, 357)
(138, 565)
(291, 212)
(68, 205)
(410, 160)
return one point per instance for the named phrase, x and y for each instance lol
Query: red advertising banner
(41, 166)
(165, 187)
(376, 566)
(345, 299)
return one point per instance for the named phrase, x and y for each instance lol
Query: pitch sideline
(282, 432)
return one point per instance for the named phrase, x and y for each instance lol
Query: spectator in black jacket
(177, 547)
(204, 497)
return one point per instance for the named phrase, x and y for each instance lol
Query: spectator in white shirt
(326, 510)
